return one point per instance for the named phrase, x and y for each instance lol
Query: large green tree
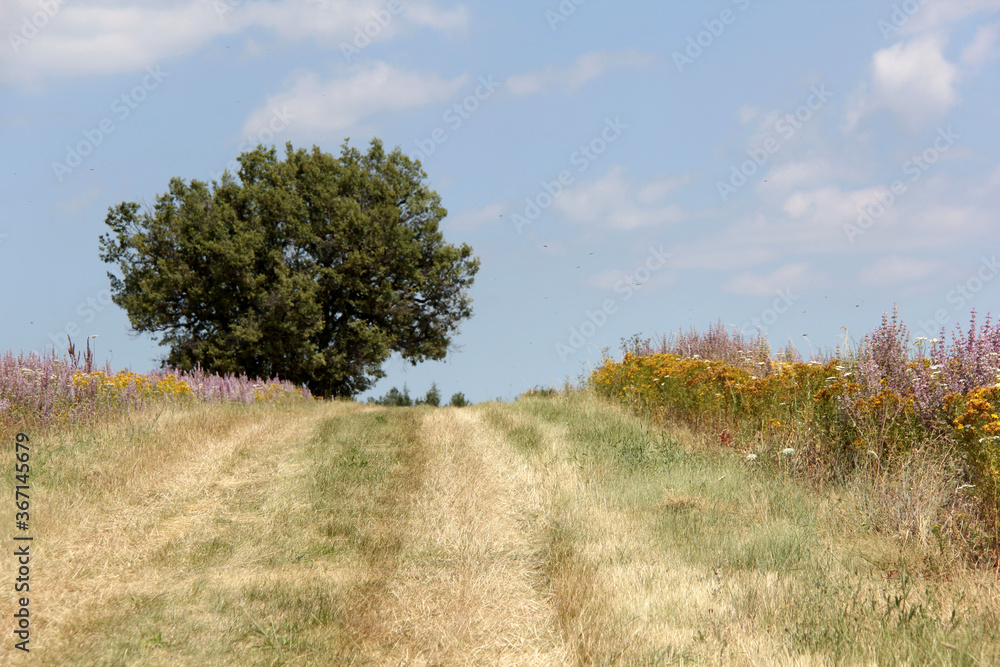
(315, 268)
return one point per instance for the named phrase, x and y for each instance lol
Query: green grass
(779, 558)
(559, 529)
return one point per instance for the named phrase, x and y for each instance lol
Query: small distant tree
(433, 396)
(395, 398)
(458, 400)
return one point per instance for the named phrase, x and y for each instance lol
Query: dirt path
(469, 585)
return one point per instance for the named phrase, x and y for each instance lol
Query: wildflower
(788, 451)
(751, 457)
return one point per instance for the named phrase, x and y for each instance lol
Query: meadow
(912, 423)
(698, 501)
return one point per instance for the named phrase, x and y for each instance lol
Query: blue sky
(619, 168)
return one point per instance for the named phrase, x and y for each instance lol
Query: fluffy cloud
(983, 45)
(611, 201)
(911, 79)
(111, 36)
(587, 67)
(331, 106)
(931, 16)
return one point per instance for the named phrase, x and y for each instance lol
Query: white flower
(787, 451)
(751, 457)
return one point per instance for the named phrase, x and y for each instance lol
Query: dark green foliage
(315, 269)
(395, 398)
(458, 400)
(433, 396)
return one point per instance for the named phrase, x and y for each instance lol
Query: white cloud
(932, 15)
(111, 36)
(610, 201)
(990, 187)
(893, 270)
(911, 79)
(817, 217)
(934, 224)
(784, 178)
(425, 14)
(332, 106)
(587, 67)
(785, 278)
(983, 45)
(638, 278)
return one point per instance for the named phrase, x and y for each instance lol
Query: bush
(886, 401)
(539, 392)
(458, 400)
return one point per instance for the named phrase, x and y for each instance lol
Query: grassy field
(551, 531)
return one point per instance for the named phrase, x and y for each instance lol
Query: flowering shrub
(978, 428)
(879, 399)
(40, 390)
(705, 393)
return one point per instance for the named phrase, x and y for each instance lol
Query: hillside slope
(554, 531)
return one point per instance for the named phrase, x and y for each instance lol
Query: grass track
(557, 531)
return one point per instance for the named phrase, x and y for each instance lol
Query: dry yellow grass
(555, 531)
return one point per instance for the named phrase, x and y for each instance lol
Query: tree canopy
(315, 268)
